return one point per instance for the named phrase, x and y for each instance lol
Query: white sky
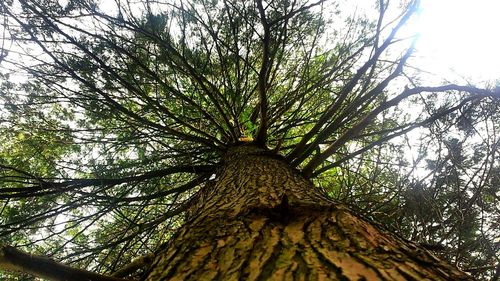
(460, 37)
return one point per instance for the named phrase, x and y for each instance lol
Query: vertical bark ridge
(260, 220)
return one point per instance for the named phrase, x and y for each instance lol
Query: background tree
(115, 121)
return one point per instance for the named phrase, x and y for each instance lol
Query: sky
(461, 38)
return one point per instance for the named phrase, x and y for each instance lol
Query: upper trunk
(261, 220)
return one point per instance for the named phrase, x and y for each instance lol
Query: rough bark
(261, 220)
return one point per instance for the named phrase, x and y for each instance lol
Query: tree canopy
(114, 114)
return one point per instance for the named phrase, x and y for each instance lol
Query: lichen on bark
(261, 220)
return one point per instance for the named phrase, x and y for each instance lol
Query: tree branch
(136, 264)
(47, 187)
(263, 75)
(338, 122)
(346, 90)
(43, 267)
(310, 173)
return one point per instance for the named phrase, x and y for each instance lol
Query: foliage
(114, 115)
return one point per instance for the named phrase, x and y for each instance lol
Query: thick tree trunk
(261, 220)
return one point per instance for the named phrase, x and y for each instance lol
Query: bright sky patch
(461, 36)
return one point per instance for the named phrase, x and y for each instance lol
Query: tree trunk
(261, 220)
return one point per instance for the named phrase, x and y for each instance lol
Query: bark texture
(261, 220)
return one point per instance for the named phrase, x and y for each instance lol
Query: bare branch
(263, 75)
(16, 260)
